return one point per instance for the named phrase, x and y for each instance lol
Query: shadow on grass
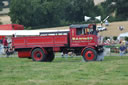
(69, 59)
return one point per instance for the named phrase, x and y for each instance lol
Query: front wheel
(89, 54)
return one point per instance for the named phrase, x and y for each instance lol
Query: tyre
(38, 55)
(50, 57)
(89, 54)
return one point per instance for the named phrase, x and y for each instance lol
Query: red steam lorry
(80, 39)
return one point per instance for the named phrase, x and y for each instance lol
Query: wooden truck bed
(40, 41)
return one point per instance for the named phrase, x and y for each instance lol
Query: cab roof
(80, 26)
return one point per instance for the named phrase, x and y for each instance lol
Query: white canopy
(122, 35)
(26, 32)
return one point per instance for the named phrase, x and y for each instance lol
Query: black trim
(54, 32)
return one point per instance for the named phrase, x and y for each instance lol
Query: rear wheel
(50, 57)
(38, 55)
(89, 54)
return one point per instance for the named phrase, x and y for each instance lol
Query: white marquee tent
(123, 35)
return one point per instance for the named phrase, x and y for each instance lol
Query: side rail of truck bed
(40, 41)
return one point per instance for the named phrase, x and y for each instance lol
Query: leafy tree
(20, 12)
(33, 12)
(118, 7)
(50, 12)
(115, 38)
(126, 38)
(105, 38)
(107, 8)
(122, 7)
(77, 9)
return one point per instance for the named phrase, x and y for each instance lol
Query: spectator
(122, 49)
(5, 44)
(121, 28)
(106, 23)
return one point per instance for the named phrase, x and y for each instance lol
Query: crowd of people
(123, 45)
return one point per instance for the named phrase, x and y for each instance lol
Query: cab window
(84, 31)
(80, 31)
(90, 31)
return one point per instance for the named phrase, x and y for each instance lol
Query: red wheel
(89, 54)
(38, 55)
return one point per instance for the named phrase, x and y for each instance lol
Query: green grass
(71, 71)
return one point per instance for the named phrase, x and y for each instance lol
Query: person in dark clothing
(94, 30)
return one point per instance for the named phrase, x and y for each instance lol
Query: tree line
(48, 13)
(117, 9)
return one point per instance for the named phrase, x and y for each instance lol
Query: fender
(27, 53)
(86, 48)
(24, 54)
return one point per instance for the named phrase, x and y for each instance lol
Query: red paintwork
(82, 40)
(11, 27)
(90, 26)
(40, 41)
(91, 55)
(23, 54)
(38, 55)
(56, 49)
(2, 37)
(56, 41)
(86, 48)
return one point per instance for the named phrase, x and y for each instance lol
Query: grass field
(71, 71)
